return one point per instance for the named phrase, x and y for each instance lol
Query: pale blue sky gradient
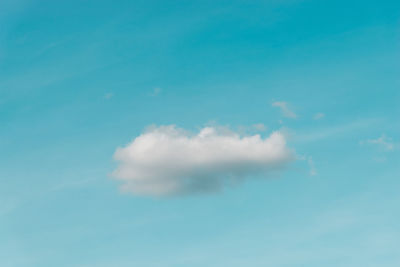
(80, 78)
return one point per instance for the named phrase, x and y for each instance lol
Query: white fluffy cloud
(285, 109)
(167, 160)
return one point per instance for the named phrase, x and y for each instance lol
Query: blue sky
(79, 79)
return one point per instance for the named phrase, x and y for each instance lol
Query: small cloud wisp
(384, 142)
(285, 109)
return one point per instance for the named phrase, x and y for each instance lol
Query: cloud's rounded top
(167, 160)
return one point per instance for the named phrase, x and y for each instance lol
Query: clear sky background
(78, 79)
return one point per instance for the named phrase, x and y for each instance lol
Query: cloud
(108, 95)
(285, 109)
(384, 142)
(259, 127)
(167, 160)
(156, 91)
(319, 116)
(313, 170)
